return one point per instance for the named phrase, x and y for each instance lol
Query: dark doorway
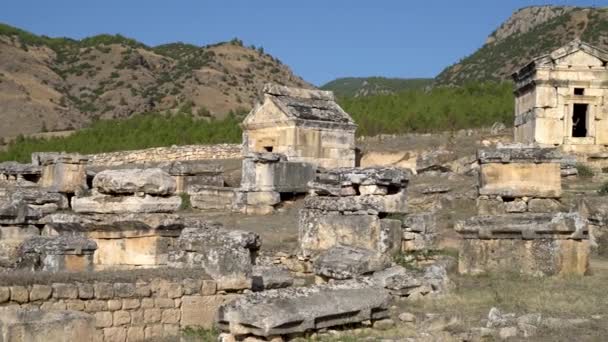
(579, 91)
(579, 120)
(268, 148)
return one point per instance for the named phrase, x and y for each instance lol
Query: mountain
(528, 33)
(364, 86)
(61, 83)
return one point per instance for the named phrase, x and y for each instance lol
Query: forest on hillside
(416, 110)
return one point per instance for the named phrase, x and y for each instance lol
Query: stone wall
(166, 154)
(125, 310)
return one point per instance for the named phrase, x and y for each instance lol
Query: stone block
(544, 205)
(213, 198)
(95, 305)
(209, 287)
(152, 332)
(115, 334)
(5, 294)
(147, 303)
(164, 303)
(99, 203)
(262, 198)
(103, 290)
(114, 304)
(65, 291)
(121, 318)
(540, 257)
(20, 325)
(75, 304)
(19, 294)
(85, 291)
(137, 317)
(201, 311)
(152, 181)
(269, 277)
(135, 334)
(391, 204)
(65, 174)
(320, 230)
(40, 292)
(57, 254)
(129, 304)
(152, 315)
(521, 180)
(124, 290)
(296, 310)
(345, 262)
(103, 319)
(170, 316)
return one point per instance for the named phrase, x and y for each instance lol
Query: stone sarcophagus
(349, 206)
(189, 175)
(57, 254)
(123, 241)
(522, 226)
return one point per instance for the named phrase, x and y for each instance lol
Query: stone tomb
(521, 225)
(349, 206)
(57, 254)
(123, 241)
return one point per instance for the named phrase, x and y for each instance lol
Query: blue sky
(320, 40)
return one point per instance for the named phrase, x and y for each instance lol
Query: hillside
(61, 83)
(364, 86)
(530, 32)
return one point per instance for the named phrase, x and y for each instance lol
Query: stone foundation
(135, 307)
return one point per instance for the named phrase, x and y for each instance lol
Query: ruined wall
(125, 310)
(167, 154)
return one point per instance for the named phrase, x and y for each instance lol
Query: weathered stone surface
(226, 255)
(296, 310)
(201, 311)
(393, 203)
(524, 226)
(62, 172)
(107, 204)
(380, 176)
(62, 253)
(538, 257)
(520, 180)
(270, 277)
(419, 232)
(213, 198)
(344, 262)
(27, 205)
(271, 172)
(518, 153)
(544, 205)
(29, 325)
(404, 283)
(130, 181)
(319, 231)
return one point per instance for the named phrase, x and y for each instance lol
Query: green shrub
(186, 204)
(584, 171)
(200, 334)
(438, 109)
(137, 132)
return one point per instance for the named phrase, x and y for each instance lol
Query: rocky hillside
(364, 86)
(60, 83)
(530, 32)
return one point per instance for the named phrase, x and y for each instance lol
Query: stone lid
(62, 244)
(47, 158)
(14, 168)
(525, 226)
(386, 176)
(519, 154)
(179, 168)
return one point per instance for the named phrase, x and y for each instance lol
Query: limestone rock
(130, 181)
(393, 203)
(344, 262)
(296, 310)
(519, 154)
(107, 204)
(62, 253)
(226, 255)
(33, 325)
(270, 277)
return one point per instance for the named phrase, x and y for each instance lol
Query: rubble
(270, 277)
(296, 310)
